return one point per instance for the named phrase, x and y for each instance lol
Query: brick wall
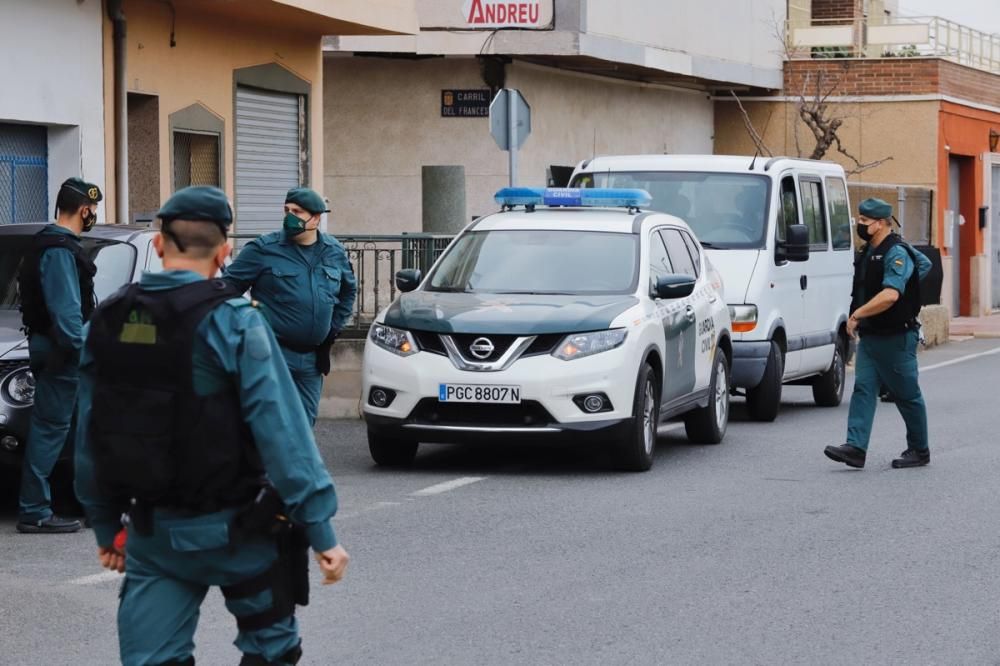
(894, 76)
(827, 11)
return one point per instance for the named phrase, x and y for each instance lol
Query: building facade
(924, 92)
(601, 77)
(212, 92)
(51, 120)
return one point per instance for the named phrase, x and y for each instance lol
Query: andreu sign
(497, 14)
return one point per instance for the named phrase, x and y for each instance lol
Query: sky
(982, 15)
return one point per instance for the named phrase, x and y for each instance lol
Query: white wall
(734, 31)
(52, 74)
(383, 123)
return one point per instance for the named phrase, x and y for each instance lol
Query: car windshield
(115, 262)
(725, 210)
(539, 261)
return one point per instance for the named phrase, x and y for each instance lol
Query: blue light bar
(573, 196)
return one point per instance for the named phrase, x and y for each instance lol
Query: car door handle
(804, 282)
(689, 313)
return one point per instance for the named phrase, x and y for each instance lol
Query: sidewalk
(975, 327)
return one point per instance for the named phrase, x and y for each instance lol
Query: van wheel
(707, 425)
(764, 399)
(828, 388)
(635, 450)
(390, 451)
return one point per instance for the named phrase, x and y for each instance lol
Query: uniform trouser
(167, 576)
(889, 360)
(51, 415)
(307, 378)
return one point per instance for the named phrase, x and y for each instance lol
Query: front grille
(429, 342)
(544, 344)
(429, 411)
(501, 343)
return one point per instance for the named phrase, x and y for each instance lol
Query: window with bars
(196, 159)
(24, 173)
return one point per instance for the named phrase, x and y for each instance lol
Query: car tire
(764, 399)
(707, 425)
(388, 451)
(828, 388)
(635, 450)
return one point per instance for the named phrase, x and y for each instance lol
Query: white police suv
(569, 315)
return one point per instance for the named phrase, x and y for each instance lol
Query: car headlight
(579, 345)
(392, 339)
(20, 387)
(744, 318)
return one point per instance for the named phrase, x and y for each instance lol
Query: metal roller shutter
(267, 157)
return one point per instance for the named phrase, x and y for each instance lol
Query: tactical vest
(154, 440)
(902, 316)
(34, 313)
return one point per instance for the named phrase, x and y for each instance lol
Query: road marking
(96, 579)
(439, 488)
(960, 359)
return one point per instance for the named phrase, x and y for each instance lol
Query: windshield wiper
(451, 290)
(710, 245)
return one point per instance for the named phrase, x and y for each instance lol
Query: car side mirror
(674, 286)
(408, 279)
(795, 247)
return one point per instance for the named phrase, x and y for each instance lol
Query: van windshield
(725, 210)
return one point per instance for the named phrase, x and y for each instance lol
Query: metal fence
(376, 259)
(913, 206)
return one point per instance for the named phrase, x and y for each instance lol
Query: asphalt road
(758, 550)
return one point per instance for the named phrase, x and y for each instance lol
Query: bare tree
(813, 109)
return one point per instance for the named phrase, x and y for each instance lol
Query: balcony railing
(376, 260)
(894, 37)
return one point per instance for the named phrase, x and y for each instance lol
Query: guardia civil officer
(189, 422)
(305, 285)
(56, 284)
(887, 295)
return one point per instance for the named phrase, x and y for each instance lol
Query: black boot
(51, 525)
(912, 458)
(851, 456)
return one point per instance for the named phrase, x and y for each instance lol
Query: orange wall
(964, 132)
(199, 69)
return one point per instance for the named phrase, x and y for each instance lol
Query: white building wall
(733, 32)
(52, 75)
(383, 123)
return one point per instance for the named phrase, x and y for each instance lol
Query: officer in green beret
(887, 302)
(305, 284)
(186, 425)
(56, 284)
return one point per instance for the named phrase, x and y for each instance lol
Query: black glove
(323, 352)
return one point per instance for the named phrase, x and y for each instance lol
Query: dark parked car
(121, 253)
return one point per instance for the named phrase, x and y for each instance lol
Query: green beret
(875, 209)
(198, 203)
(90, 192)
(307, 199)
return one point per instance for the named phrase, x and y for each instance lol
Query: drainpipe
(117, 17)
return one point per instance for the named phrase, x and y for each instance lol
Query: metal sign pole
(512, 137)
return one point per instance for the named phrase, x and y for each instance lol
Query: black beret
(89, 191)
(198, 203)
(308, 199)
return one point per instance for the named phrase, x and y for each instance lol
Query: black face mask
(89, 222)
(863, 233)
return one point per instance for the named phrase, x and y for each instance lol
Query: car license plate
(504, 395)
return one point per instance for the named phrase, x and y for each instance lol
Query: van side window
(659, 262)
(840, 213)
(694, 252)
(789, 207)
(679, 256)
(813, 212)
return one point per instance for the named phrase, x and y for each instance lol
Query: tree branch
(858, 166)
(758, 140)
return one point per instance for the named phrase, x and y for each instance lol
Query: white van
(779, 231)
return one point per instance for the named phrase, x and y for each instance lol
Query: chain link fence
(913, 207)
(196, 159)
(24, 174)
